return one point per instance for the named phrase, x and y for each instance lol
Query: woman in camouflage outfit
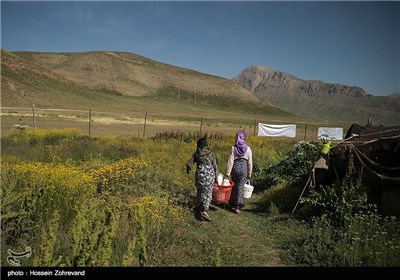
(205, 176)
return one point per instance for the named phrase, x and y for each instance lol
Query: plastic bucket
(325, 149)
(247, 190)
(221, 193)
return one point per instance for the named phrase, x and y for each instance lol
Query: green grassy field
(156, 172)
(127, 201)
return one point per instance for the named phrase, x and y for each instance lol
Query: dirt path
(246, 239)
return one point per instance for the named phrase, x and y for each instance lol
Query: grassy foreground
(142, 189)
(124, 201)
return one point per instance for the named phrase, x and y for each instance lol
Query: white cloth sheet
(277, 130)
(332, 133)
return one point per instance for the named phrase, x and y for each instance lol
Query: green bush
(339, 202)
(366, 240)
(297, 164)
(32, 192)
(39, 136)
(282, 197)
(293, 167)
(345, 230)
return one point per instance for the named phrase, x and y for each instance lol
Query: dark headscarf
(202, 143)
(203, 153)
(240, 144)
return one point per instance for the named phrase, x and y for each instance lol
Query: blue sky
(352, 43)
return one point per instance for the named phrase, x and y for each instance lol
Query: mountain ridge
(317, 99)
(104, 80)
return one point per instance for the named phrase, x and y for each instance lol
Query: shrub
(187, 136)
(92, 232)
(33, 191)
(152, 227)
(39, 136)
(297, 164)
(280, 198)
(339, 202)
(118, 177)
(293, 168)
(158, 211)
(366, 240)
(346, 231)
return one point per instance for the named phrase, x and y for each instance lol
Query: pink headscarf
(240, 144)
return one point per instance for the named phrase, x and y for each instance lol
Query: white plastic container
(247, 190)
(220, 179)
(226, 182)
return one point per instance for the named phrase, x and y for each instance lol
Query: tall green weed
(339, 202)
(346, 231)
(41, 137)
(368, 239)
(34, 191)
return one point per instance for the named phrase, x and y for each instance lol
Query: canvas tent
(370, 155)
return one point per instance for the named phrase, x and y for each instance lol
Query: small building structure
(370, 155)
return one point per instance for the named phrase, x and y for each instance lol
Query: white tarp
(332, 133)
(277, 130)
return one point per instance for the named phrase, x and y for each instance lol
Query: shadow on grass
(217, 205)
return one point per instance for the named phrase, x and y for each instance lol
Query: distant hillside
(24, 83)
(122, 82)
(132, 75)
(317, 99)
(397, 94)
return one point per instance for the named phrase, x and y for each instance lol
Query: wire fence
(99, 123)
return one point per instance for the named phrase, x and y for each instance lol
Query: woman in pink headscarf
(239, 168)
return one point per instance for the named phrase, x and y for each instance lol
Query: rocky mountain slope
(317, 99)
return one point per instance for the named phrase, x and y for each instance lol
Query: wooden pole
(90, 121)
(305, 132)
(255, 123)
(144, 127)
(33, 116)
(305, 186)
